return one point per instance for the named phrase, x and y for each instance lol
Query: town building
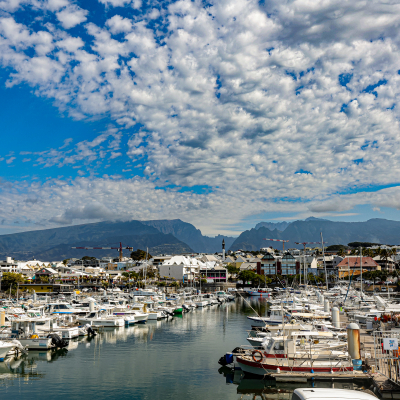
(351, 266)
(386, 263)
(275, 265)
(214, 275)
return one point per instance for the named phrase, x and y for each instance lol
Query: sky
(221, 113)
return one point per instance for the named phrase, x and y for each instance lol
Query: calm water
(174, 359)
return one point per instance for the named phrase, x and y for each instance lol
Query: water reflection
(172, 359)
(261, 388)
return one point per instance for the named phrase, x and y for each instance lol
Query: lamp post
(1, 276)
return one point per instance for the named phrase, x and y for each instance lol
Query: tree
(341, 252)
(140, 255)
(11, 279)
(247, 275)
(232, 270)
(65, 262)
(88, 258)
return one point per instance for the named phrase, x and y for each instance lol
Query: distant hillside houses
(213, 267)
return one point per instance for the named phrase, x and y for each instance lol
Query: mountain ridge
(376, 230)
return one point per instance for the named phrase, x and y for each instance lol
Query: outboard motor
(90, 330)
(57, 341)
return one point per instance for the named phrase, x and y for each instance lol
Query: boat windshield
(269, 346)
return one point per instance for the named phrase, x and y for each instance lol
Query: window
(279, 346)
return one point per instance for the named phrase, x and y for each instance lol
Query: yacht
(201, 301)
(101, 318)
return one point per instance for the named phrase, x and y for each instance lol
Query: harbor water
(168, 359)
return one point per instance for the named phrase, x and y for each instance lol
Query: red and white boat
(289, 354)
(260, 292)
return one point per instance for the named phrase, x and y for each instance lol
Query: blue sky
(220, 113)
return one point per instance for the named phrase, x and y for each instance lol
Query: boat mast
(323, 256)
(145, 271)
(361, 272)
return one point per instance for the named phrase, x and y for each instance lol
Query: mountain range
(177, 237)
(374, 230)
(160, 237)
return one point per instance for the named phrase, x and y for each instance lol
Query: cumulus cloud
(278, 100)
(72, 16)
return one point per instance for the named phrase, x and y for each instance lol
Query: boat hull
(262, 368)
(4, 350)
(260, 294)
(258, 321)
(37, 344)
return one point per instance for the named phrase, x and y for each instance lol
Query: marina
(181, 349)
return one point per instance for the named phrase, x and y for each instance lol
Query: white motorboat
(63, 308)
(277, 316)
(211, 299)
(144, 292)
(201, 301)
(101, 318)
(24, 330)
(5, 348)
(47, 325)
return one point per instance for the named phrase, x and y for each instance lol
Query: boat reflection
(262, 388)
(26, 366)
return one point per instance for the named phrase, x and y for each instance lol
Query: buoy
(91, 306)
(278, 370)
(312, 371)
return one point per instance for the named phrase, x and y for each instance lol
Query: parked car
(388, 283)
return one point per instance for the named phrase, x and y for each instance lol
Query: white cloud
(72, 16)
(117, 24)
(10, 160)
(239, 97)
(115, 3)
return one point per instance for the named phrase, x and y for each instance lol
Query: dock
(307, 376)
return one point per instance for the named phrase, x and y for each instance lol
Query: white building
(181, 268)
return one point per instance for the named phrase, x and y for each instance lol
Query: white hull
(154, 316)
(103, 322)
(202, 303)
(141, 318)
(4, 350)
(129, 320)
(37, 344)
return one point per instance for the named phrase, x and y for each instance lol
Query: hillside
(280, 226)
(190, 235)
(54, 244)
